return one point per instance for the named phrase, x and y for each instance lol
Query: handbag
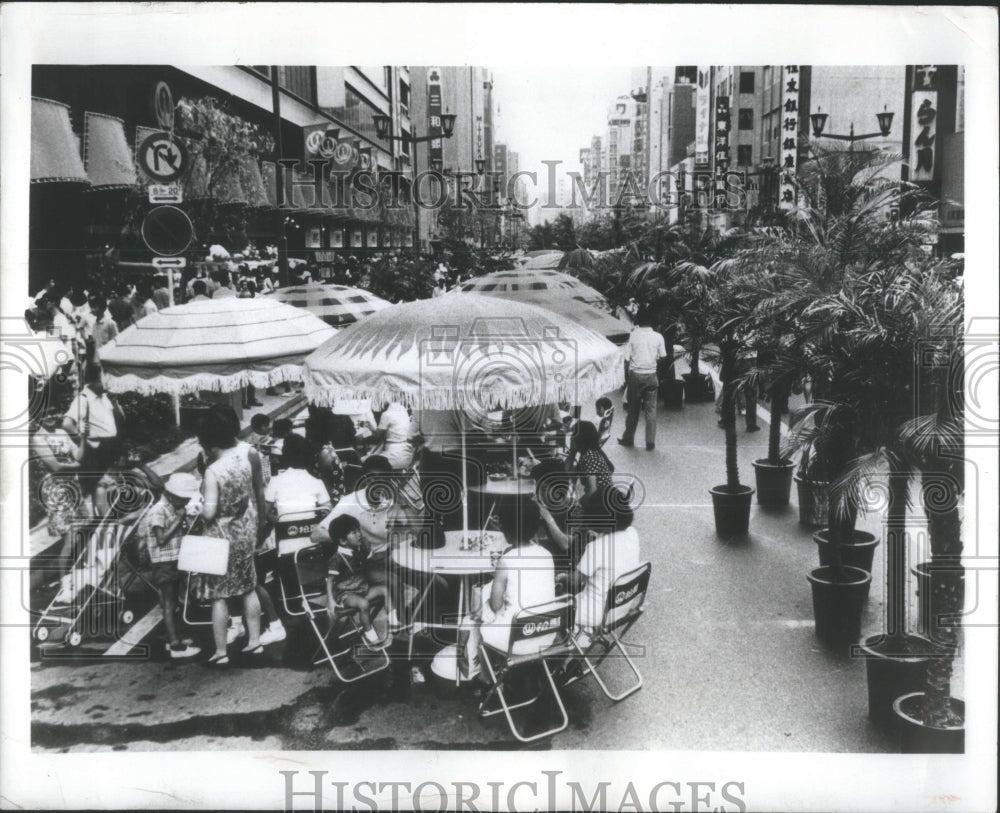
(204, 554)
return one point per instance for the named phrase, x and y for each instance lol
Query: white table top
(509, 486)
(451, 559)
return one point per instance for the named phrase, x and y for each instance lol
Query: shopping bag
(204, 554)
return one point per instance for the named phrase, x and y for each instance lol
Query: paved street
(731, 661)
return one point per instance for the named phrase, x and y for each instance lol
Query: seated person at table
(589, 461)
(373, 504)
(393, 433)
(524, 577)
(555, 497)
(612, 552)
(295, 490)
(346, 585)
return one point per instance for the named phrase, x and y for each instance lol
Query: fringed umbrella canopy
(528, 285)
(220, 345)
(337, 305)
(597, 319)
(464, 352)
(547, 259)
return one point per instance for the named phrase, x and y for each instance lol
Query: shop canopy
(220, 345)
(55, 149)
(109, 161)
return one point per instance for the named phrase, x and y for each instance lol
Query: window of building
(746, 118)
(746, 81)
(300, 80)
(744, 155)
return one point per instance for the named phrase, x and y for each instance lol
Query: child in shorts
(160, 530)
(346, 585)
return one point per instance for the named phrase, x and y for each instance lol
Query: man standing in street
(645, 348)
(94, 418)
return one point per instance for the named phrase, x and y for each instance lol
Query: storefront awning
(108, 159)
(55, 153)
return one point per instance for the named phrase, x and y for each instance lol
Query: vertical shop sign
(436, 153)
(789, 136)
(923, 122)
(702, 115)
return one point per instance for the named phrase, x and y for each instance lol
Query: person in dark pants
(645, 348)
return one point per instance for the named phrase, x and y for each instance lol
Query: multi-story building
(110, 108)
(617, 156)
(466, 92)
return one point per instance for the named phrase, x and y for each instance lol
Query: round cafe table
(451, 561)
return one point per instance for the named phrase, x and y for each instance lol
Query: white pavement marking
(134, 635)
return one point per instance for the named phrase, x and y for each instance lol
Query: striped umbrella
(540, 260)
(220, 345)
(337, 305)
(527, 285)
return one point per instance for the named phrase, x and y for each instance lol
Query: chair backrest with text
(626, 597)
(534, 629)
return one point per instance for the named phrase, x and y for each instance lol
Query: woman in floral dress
(229, 512)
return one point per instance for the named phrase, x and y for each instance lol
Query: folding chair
(527, 627)
(291, 531)
(343, 635)
(622, 608)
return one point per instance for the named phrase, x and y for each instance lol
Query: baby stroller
(91, 600)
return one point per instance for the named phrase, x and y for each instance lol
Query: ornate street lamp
(819, 123)
(383, 122)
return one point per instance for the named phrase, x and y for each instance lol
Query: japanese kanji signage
(789, 137)
(702, 119)
(923, 122)
(722, 127)
(436, 153)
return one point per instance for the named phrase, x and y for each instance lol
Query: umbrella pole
(177, 409)
(465, 491)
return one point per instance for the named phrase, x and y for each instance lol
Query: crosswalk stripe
(135, 634)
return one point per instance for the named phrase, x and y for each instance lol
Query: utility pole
(279, 178)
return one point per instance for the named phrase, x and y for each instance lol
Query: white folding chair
(528, 626)
(341, 636)
(622, 608)
(292, 531)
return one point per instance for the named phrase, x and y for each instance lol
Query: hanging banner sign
(789, 137)
(702, 115)
(722, 126)
(435, 152)
(923, 123)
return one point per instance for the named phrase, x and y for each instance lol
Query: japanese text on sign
(789, 137)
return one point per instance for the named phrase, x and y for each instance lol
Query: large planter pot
(774, 482)
(672, 393)
(732, 510)
(698, 388)
(894, 665)
(839, 605)
(859, 552)
(916, 737)
(928, 574)
(814, 501)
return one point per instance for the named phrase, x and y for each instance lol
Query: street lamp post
(819, 123)
(383, 125)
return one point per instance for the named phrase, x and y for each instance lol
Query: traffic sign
(167, 230)
(162, 157)
(170, 262)
(165, 193)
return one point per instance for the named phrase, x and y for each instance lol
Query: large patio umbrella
(469, 352)
(534, 260)
(524, 283)
(337, 305)
(220, 345)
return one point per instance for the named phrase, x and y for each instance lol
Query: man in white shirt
(645, 348)
(94, 417)
(104, 328)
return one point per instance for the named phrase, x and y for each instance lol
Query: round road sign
(167, 230)
(162, 157)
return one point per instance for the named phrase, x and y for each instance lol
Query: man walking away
(645, 348)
